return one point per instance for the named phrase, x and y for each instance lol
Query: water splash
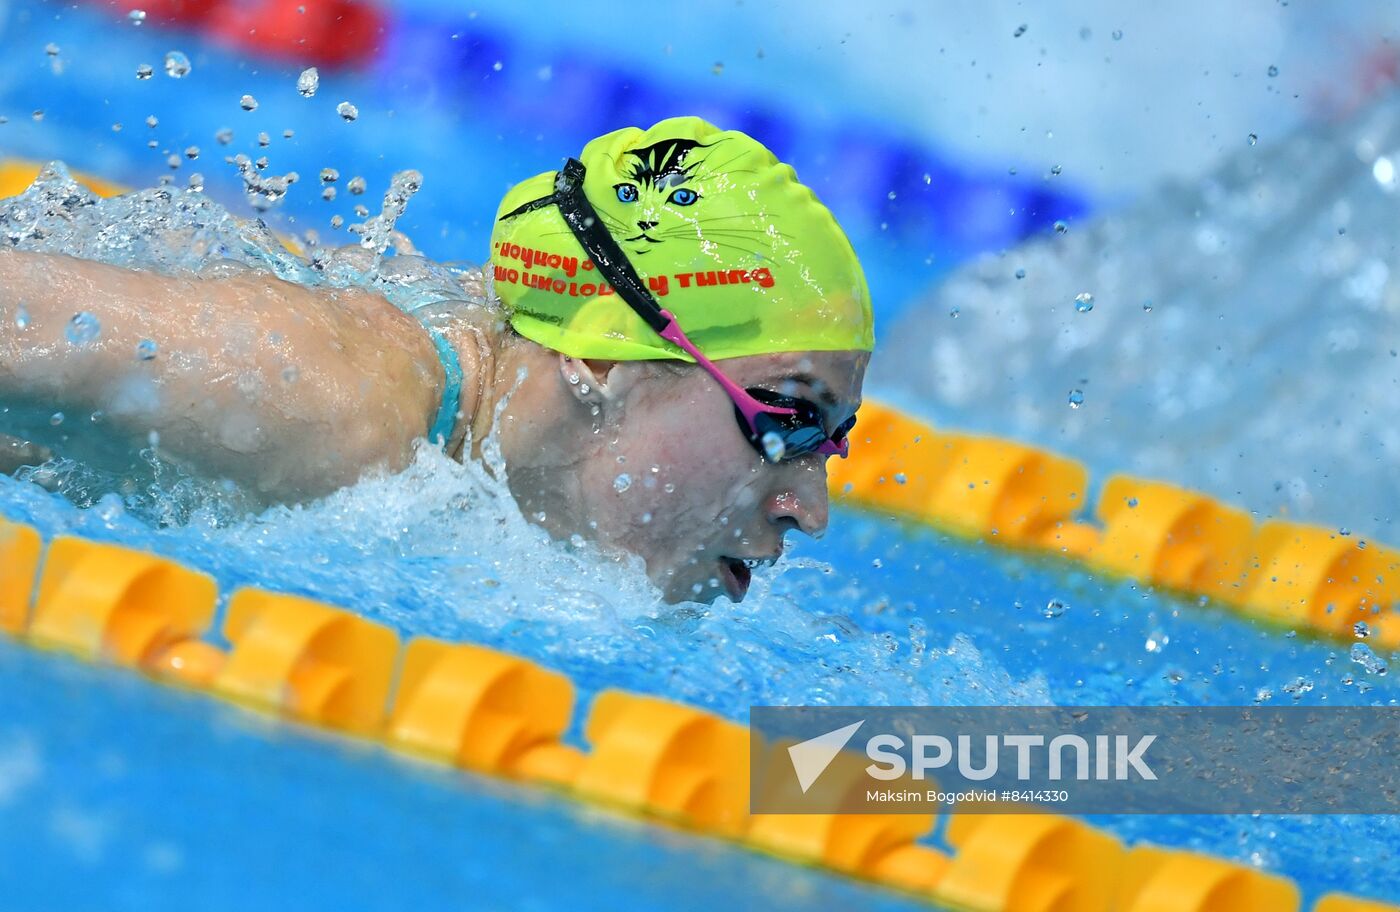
(1258, 366)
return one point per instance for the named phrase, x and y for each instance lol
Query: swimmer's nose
(806, 510)
(645, 225)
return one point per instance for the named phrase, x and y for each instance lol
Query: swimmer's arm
(291, 391)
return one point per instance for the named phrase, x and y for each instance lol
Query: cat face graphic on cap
(662, 182)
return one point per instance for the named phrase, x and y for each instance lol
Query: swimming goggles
(778, 427)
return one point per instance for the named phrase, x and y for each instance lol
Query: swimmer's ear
(591, 381)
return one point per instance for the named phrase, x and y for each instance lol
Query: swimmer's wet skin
(680, 343)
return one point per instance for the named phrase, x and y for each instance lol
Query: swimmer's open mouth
(737, 572)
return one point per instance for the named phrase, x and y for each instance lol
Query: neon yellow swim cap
(745, 257)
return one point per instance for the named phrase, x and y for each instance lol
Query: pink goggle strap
(748, 406)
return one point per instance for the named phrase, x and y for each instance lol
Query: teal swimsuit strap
(446, 420)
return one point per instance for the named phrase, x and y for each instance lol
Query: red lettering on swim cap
(659, 284)
(588, 289)
(684, 278)
(763, 277)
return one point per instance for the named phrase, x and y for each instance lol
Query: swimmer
(677, 346)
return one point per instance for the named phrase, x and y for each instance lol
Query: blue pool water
(937, 621)
(122, 796)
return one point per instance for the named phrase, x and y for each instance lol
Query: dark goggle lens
(801, 432)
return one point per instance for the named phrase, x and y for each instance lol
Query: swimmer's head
(679, 243)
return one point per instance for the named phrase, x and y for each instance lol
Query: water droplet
(173, 161)
(1157, 640)
(51, 49)
(308, 82)
(953, 311)
(329, 175)
(1054, 608)
(288, 134)
(151, 121)
(38, 115)
(1020, 30)
(1117, 34)
(1361, 630)
(1055, 170)
(361, 210)
(196, 181)
(1253, 138)
(928, 178)
(290, 374)
(356, 185)
(718, 67)
(900, 478)
(668, 487)
(1061, 226)
(337, 221)
(622, 482)
(56, 419)
(264, 140)
(192, 152)
(347, 111)
(1076, 398)
(83, 328)
(177, 65)
(224, 136)
(1020, 273)
(248, 103)
(145, 71)
(1147, 307)
(1362, 655)
(136, 16)
(21, 317)
(1084, 302)
(1273, 71)
(146, 350)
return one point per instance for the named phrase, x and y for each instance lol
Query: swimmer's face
(678, 484)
